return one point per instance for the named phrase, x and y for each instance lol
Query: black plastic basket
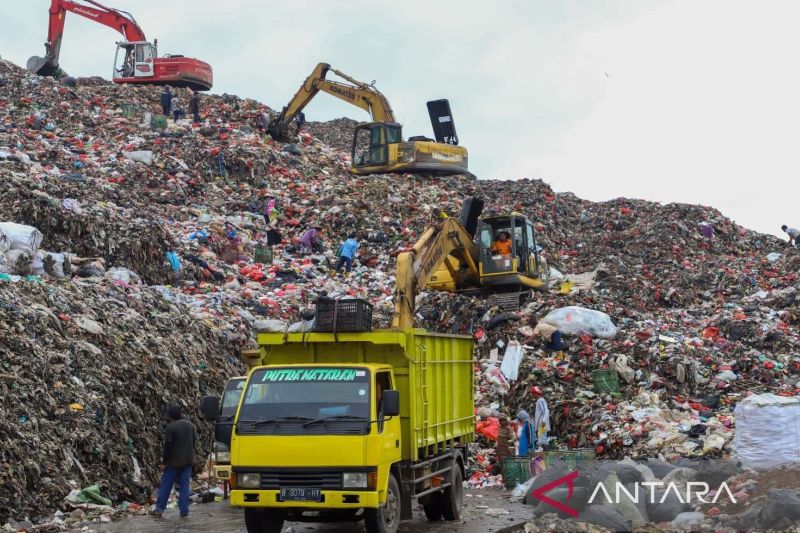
(345, 315)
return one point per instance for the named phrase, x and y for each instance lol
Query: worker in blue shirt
(527, 437)
(347, 252)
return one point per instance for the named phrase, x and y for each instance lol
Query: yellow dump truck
(352, 426)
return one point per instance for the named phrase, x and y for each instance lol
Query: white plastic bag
(496, 378)
(270, 325)
(21, 236)
(58, 262)
(511, 361)
(767, 431)
(123, 275)
(774, 256)
(575, 320)
(140, 156)
(37, 264)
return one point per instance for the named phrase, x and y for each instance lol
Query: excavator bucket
(42, 66)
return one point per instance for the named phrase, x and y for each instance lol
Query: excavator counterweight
(137, 60)
(378, 146)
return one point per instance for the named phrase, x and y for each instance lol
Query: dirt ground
(219, 517)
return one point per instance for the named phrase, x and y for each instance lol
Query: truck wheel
(433, 509)
(385, 519)
(453, 497)
(263, 520)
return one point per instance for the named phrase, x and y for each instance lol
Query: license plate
(301, 494)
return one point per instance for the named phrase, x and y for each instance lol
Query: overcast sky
(691, 101)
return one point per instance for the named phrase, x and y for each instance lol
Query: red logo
(569, 479)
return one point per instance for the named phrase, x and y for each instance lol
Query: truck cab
(333, 429)
(223, 426)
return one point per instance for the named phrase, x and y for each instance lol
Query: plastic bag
(21, 236)
(488, 428)
(37, 264)
(141, 156)
(521, 489)
(496, 378)
(60, 263)
(124, 275)
(174, 261)
(302, 326)
(767, 430)
(575, 320)
(271, 325)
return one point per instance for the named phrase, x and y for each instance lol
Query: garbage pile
(196, 227)
(86, 367)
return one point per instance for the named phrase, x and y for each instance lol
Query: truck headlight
(354, 480)
(221, 453)
(222, 458)
(248, 481)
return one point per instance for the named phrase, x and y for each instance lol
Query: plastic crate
(605, 380)
(130, 110)
(574, 459)
(345, 315)
(158, 122)
(516, 470)
(263, 255)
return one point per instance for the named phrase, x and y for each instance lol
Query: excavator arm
(119, 20)
(415, 267)
(354, 92)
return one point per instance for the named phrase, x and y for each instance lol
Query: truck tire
(263, 520)
(385, 519)
(453, 497)
(433, 509)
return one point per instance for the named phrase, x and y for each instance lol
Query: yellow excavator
(459, 255)
(378, 146)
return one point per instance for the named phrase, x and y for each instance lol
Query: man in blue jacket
(527, 440)
(347, 252)
(166, 100)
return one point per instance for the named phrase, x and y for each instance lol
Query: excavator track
(507, 301)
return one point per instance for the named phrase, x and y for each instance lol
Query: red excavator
(137, 59)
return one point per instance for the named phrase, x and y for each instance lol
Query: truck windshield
(231, 397)
(289, 398)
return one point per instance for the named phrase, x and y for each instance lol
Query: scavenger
(541, 417)
(176, 462)
(347, 252)
(527, 440)
(310, 240)
(549, 334)
(505, 440)
(794, 235)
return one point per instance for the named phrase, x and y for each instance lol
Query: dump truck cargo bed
(433, 373)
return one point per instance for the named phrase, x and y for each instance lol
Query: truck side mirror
(391, 403)
(209, 407)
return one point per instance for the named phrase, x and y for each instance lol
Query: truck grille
(277, 479)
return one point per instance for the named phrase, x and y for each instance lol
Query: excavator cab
(134, 60)
(372, 144)
(523, 267)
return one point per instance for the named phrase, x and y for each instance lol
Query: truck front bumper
(331, 499)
